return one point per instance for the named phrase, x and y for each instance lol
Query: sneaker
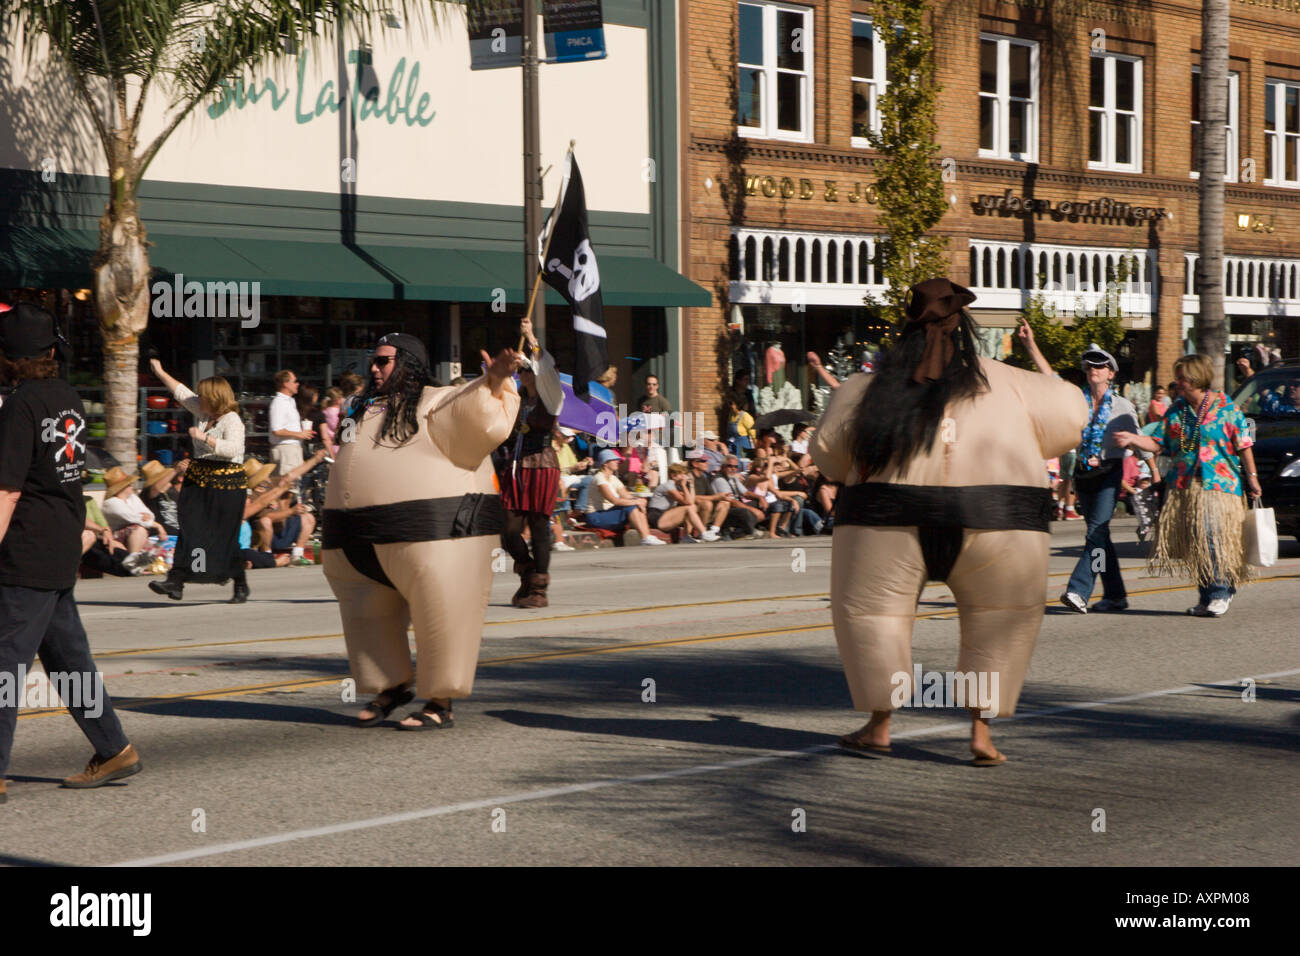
(1199, 611)
(1218, 607)
(561, 546)
(1074, 602)
(1072, 515)
(1106, 605)
(99, 772)
(710, 535)
(756, 535)
(688, 539)
(302, 562)
(651, 539)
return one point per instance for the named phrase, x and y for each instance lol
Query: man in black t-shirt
(42, 514)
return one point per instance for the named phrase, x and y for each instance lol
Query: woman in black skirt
(211, 505)
(530, 473)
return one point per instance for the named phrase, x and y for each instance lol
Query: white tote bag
(1260, 536)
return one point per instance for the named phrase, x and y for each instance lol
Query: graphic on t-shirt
(66, 460)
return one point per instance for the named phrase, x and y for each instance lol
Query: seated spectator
(277, 522)
(742, 509)
(799, 439)
(160, 494)
(673, 504)
(780, 505)
(799, 481)
(614, 506)
(129, 519)
(715, 451)
(99, 549)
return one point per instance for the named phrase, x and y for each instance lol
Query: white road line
(412, 815)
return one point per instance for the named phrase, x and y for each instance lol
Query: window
(1230, 151)
(1282, 133)
(1008, 98)
(869, 80)
(1115, 113)
(774, 51)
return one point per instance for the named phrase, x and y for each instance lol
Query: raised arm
(480, 416)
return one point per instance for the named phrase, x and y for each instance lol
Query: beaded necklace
(1194, 427)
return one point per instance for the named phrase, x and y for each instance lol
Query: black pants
(539, 527)
(35, 621)
(740, 519)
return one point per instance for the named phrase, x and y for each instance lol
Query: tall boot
(536, 596)
(241, 590)
(523, 569)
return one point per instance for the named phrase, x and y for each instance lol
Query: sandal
(427, 716)
(396, 696)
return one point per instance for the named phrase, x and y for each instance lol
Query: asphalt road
(558, 758)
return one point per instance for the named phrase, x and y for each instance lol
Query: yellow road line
(253, 689)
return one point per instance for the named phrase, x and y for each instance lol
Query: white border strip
(947, 727)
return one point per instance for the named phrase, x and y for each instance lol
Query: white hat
(711, 436)
(567, 432)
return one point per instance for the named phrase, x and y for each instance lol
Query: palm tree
(187, 48)
(1211, 330)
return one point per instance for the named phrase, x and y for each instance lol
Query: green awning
(60, 258)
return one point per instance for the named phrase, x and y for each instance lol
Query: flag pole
(537, 279)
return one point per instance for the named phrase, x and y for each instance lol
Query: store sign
(1255, 222)
(828, 190)
(574, 30)
(1009, 204)
(396, 100)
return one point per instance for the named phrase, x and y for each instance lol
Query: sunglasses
(381, 361)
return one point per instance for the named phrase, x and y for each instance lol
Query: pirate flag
(569, 267)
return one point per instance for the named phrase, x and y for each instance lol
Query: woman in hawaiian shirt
(1200, 530)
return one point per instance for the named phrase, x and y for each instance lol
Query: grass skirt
(1191, 518)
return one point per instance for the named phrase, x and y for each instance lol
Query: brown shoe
(536, 596)
(99, 772)
(4, 787)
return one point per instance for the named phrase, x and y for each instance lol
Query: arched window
(733, 258)
(769, 259)
(864, 264)
(832, 261)
(816, 261)
(783, 260)
(751, 259)
(800, 261)
(847, 273)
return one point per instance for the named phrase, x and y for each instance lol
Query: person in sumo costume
(941, 454)
(411, 518)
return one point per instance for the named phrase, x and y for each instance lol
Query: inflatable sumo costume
(942, 458)
(411, 518)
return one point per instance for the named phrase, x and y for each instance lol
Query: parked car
(1271, 400)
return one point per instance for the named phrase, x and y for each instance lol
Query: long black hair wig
(405, 384)
(898, 417)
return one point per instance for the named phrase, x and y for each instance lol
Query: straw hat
(116, 479)
(257, 472)
(155, 471)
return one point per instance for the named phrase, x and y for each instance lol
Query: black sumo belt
(941, 513)
(356, 531)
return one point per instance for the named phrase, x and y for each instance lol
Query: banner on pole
(574, 30)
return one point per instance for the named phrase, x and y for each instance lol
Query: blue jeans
(584, 488)
(1215, 589)
(1097, 509)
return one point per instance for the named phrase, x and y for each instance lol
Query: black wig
(898, 417)
(402, 392)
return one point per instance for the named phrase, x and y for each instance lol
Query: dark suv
(1271, 399)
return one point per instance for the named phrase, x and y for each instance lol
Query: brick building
(1068, 131)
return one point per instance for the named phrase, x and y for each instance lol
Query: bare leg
(981, 739)
(875, 731)
(308, 526)
(137, 540)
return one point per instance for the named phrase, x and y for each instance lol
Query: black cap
(407, 343)
(28, 331)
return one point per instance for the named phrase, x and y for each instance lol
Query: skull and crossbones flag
(569, 267)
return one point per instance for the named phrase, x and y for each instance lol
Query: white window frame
(1229, 174)
(1277, 88)
(1002, 101)
(1110, 112)
(879, 83)
(768, 128)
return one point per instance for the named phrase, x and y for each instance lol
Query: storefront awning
(53, 258)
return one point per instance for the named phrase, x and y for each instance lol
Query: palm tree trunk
(1211, 330)
(121, 269)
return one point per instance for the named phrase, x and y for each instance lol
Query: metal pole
(532, 168)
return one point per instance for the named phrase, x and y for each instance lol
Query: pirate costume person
(411, 518)
(42, 514)
(211, 505)
(529, 473)
(941, 455)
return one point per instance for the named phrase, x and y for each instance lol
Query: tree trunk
(121, 269)
(1211, 330)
